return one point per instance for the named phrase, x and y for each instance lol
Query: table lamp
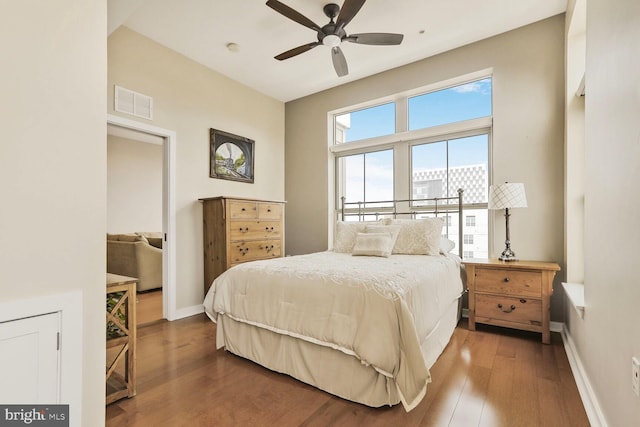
(507, 196)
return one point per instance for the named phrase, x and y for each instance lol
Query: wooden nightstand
(512, 294)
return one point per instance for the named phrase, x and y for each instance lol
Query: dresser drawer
(516, 310)
(249, 230)
(240, 209)
(509, 282)
(269, 210)
(255, 250)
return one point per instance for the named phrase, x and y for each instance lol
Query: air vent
(134, 103)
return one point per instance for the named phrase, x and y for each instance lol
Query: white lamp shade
(508, 195)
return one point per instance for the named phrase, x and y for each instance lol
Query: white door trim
(168, 207)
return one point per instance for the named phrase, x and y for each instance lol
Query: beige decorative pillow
(346, 233)
(373, 244)
(418, 236)
(394, 230)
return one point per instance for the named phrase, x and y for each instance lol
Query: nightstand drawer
(509, 282)
(517, 310)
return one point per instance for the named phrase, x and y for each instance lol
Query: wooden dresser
(238, 230)
(511, 294)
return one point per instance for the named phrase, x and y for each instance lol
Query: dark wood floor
(491, 377)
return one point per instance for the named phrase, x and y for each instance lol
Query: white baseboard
(556, 326)
(188, 311)
(589, 400)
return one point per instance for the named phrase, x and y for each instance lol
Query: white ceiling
(201, 30)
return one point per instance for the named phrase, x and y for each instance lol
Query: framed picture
(231, 155)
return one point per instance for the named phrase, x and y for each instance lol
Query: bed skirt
(323, 367)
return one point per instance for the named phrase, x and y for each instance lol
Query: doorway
(132, 129)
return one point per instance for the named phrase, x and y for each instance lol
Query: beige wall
(53, 167)
(607, 337)
(189, 99)
(134, 186)
(528, 94)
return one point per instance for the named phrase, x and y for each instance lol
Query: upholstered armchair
(133, 255)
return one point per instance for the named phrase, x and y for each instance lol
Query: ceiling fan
(333, 33)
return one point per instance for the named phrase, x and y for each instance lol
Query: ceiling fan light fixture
(331, 40)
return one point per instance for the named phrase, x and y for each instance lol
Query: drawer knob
(244, 230)
(242, 250)
(243, 209)
(507, 310)
(506, 279)
(268, 210)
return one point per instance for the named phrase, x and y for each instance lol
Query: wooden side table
(513, 294)
(121, 337)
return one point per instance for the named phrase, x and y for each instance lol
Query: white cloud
(480, 86)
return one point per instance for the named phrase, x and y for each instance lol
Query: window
(366, 123)
(463, 102)
(367, 177)
(440, 168)
(467, 254)
(441, 159)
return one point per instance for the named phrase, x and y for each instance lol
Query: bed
(364, 321)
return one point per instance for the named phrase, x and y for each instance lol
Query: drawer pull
(269, 210)
(523, 301)
(267, 229)
(244, 230)
(508, 310)
(243, 209)
(506, 279)
(243, 251)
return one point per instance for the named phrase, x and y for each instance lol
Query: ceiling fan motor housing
(331, 10)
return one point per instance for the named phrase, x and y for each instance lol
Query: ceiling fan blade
(296, 51)
(294, 15)
(375, 38)
(339, 61)
(348, 10)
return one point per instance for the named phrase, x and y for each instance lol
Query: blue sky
(468, 101)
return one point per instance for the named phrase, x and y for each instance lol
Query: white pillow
(418, 236)
(373, 244)
(346, 232)
(446, 245)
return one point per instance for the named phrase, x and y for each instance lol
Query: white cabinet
(29, 360)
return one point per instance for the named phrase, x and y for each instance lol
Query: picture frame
(231, 156)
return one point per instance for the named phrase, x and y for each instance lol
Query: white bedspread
(378, 310)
